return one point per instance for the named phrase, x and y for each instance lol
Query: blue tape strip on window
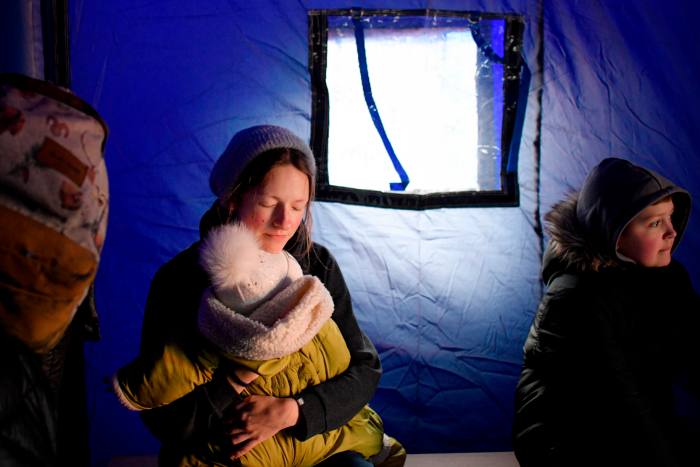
(372, 107)
(497, 71)
(483, 45)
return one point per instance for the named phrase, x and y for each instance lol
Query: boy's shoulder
(580, 291)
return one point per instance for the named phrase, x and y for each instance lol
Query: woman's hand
(258, 418)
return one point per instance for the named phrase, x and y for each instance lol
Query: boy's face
(649, 237)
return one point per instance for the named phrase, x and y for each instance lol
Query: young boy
(610, 354)
(268, 327)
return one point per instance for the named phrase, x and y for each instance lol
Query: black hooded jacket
(43, 415)
(171, 315)
(610, 362)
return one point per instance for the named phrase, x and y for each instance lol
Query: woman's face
(274, 209)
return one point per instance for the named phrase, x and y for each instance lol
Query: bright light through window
(424, 85)
(416, 109)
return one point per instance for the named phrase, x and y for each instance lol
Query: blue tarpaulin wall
(447, 295)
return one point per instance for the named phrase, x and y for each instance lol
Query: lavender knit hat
(244, 147)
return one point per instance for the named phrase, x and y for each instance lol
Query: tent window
(416, 109)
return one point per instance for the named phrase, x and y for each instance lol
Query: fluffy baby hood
(242, 274)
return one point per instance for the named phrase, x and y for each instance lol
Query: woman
(264, 180)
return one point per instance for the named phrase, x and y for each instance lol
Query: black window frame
(515, 78)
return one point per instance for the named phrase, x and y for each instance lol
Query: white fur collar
(278, 327)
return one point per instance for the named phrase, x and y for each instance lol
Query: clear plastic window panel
(437, 86)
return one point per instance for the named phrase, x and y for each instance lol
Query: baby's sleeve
(264, 368)
(146, 383)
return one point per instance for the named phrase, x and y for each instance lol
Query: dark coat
(27, 409)
(610, 362)
(43, 413)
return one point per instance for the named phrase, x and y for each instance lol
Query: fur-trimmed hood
(585, 226)
(567, 246)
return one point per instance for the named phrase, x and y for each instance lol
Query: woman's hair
(253, 175)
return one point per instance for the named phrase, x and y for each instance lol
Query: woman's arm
(192, 417)
(334, 402)
(171, 317)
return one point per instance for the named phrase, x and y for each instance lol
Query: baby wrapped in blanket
(263, 315)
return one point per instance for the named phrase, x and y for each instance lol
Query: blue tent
(446, 294)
